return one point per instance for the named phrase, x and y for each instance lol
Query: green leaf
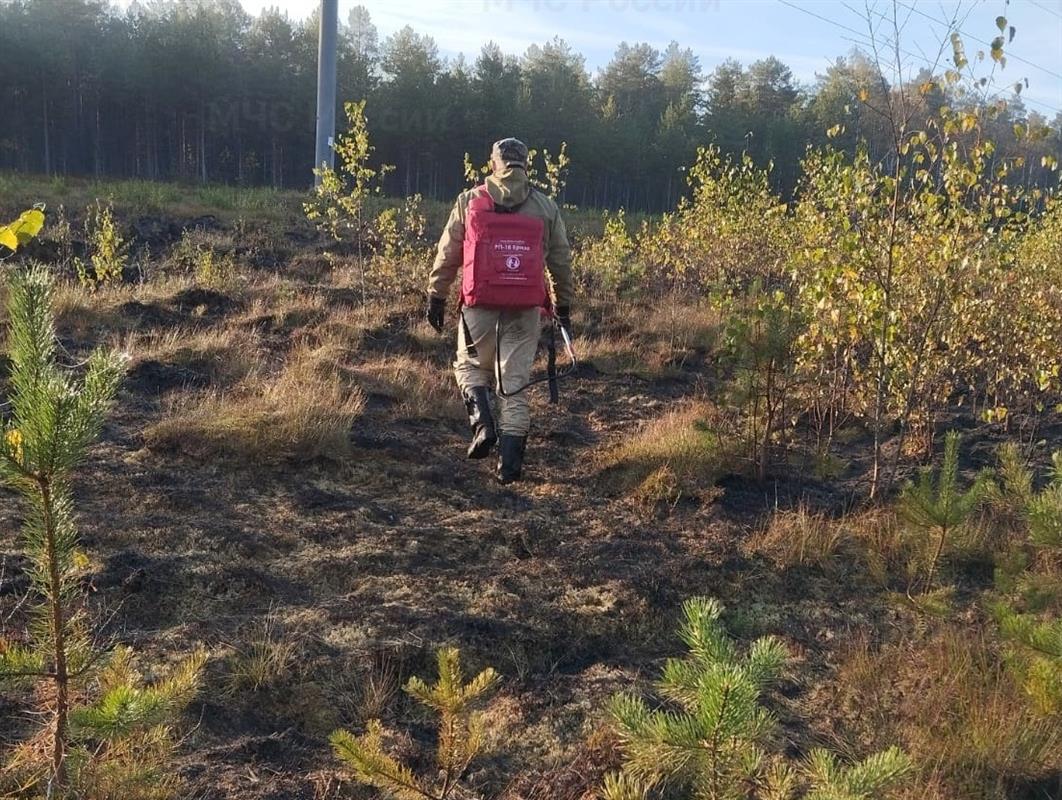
(1001, 23)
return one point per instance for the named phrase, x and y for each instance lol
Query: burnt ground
(365, 565)
(569, 592)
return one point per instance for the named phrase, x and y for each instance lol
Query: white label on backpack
(515, 246)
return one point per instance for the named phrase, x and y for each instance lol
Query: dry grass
(419, 388)
(377, 687)
(678, 455)
(800, 538)
(89, 316)
(874, 539)
(622, 356)
(347, 327)
(303, 413)
(951, 704)
(665, 339)
(263, 658)
(682, 328)
(283, 306)
(224, 355)
(884, 545)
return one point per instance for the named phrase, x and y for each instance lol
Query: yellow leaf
(22, 230)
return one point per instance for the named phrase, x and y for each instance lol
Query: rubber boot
(510, 457)
(477, 403)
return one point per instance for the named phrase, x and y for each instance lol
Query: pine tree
(1035, 655)
(1028, 614)
(1045, 511)
(102, 725)
(1015, 488)
(708, 743)
(937, 508)
(460, 736)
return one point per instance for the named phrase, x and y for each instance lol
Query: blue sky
(805, 34)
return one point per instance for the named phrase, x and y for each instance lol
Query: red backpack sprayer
(504, 268)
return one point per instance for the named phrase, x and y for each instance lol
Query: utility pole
(326, 86)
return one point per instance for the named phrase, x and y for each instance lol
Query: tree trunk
(202, 143)
(47, 141)
(60, 675)
(97, 145)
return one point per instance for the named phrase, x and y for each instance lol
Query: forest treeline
(198, 90)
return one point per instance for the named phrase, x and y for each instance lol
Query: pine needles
(1029, 614)
(460, 736)
(710, 741)
(938, 508)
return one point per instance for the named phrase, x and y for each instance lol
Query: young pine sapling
(104, 733)
(460, 736)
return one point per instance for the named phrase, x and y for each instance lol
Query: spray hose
(552, 376)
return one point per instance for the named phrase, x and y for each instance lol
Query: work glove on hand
(436, 313)
(564, 317)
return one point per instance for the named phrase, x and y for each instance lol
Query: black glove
(436, 313)
(564, 317)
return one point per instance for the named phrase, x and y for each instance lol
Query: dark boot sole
(481, 448)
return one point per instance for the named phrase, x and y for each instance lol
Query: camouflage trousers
(477, 343)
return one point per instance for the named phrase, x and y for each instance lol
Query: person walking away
(505, 237)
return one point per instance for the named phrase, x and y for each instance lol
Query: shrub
(21, 231)
(555, 169)
(109, 251)
(906, 265)
(731, 230)
(338, 202)
(610, 263)
(402, 254)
